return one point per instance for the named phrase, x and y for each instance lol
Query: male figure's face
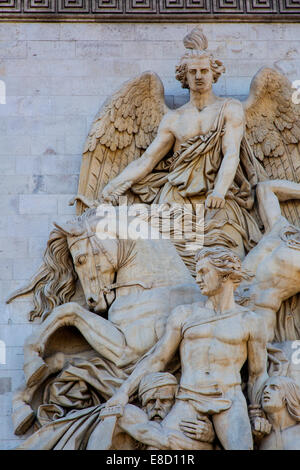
(199, 74)
(208, 278)
(160, 403)
(272, 399)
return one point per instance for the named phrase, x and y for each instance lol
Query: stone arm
(142, 166)
(231, 141)
(135, 422)
(269, 195)
(257, 360)
(154, 362)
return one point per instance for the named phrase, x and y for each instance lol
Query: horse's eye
(81, 259)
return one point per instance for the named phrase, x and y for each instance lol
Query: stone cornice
(150, 10)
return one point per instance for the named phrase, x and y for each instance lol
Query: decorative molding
(150, 10)
(38, 6)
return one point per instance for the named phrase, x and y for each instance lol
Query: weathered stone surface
(57, 76)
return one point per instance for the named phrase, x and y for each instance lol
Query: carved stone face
(160, 403)
(199, 74)
(272, 399)
(85, 265)
(208, 277)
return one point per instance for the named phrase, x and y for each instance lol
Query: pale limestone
(23, 226)
(28, 165)
(13, 247)
(24, 270)
(36, 247)
(33, 81)
(59, 184)
(15, 184)
(51, 49)
(38, 204)
(9, 204)
(6, 269)
(61, 164)
(13, 49)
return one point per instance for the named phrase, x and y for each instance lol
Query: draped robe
(189, 176)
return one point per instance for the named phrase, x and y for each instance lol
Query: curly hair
(217, 66)
(226, 262)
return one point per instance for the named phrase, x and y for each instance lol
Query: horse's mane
(55, 282)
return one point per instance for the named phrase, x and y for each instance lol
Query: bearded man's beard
(157, 415)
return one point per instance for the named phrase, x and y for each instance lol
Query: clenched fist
(260, 427)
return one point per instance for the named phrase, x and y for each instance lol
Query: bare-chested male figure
(276, 259)
(214, 340)
(205, 135)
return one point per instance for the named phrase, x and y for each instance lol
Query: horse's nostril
(91, 301)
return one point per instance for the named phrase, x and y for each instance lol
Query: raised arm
(231, 141)
(141, 167)
(270, 194)
(154, 362)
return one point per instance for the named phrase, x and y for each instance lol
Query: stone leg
(233, 425)
(101, 334)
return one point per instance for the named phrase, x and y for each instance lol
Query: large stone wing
(273, 130)
(124, 127)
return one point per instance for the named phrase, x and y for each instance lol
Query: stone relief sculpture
(142, 342)
(215, 340)
(275, 259)
(157, 395)
(280, 403)
(195, 172)
(140, 302)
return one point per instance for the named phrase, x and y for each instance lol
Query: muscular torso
(277, 270)
(188, 121)
(213, 352)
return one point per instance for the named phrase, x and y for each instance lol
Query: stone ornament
(143, 10)
(153, 343)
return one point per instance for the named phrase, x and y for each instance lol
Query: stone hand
(198, 430)
(214, 201)
(113, 191)
(260, 427)
(119, 398)
(175, 442)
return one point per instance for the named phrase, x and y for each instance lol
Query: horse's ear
(70, 229)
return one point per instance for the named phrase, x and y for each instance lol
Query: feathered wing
(125, 126)
(273, 130)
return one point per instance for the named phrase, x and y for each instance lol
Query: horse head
(94, 260)
(103, 250)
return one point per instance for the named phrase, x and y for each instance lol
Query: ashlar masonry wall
(56, 77)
